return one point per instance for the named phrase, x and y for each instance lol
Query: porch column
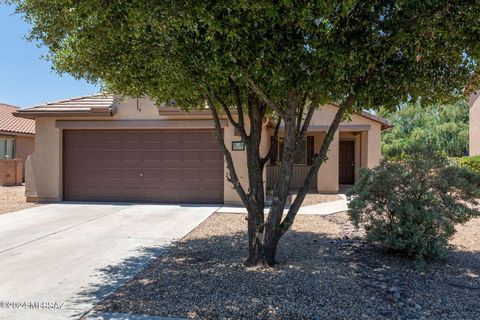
(374, 147)
(327, 178)
(364, 149)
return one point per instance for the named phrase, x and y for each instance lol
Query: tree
(443, 128)
(255, 59)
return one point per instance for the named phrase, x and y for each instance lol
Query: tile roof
(87, 105)
(384, 122)
(98, 100)
(9, 123)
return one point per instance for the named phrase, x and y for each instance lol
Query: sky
(25, 78)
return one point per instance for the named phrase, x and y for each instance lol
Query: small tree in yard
(255, 59)
(411, 203)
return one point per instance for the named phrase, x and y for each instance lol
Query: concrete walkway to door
(74, 254)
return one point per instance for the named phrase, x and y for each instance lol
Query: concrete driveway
(58, 260)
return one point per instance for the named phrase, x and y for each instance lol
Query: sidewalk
(325, 208)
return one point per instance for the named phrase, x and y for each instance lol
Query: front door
(346, 164)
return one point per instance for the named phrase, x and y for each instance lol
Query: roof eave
(63, 114)
(94, 112)
(16, 133)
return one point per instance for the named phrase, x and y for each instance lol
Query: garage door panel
(192, 175)
(130, 155)
(194, 139)
(193, 156)
(171, 137)
(212, 156)
(153, 155)
(156, 165)
(172, 156)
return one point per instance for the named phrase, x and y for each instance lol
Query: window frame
(5, 144)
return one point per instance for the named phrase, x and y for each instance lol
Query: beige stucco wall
(240, 160)
(474, 133)
(44, 166)
(24, 146)
(367, 146)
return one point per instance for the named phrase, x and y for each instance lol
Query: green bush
(472, 163)
(410, 204)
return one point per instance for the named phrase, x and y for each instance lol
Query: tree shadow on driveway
(112, 277)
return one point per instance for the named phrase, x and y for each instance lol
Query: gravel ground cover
(13, 199)
(325, 271)
(316, 198)
(310, 199)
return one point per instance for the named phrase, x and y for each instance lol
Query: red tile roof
(9, 123)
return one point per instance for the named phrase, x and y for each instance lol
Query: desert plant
(410, 204)
(472, 163)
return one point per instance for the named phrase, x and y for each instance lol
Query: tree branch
(264, 97)
(238, 101)
(302, 110)
(274, 144)
(239, 125)
(308, 118)
(232, 177)
(316, 162)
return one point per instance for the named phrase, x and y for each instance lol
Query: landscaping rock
(203, 277)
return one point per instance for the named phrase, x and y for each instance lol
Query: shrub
(410, 204)
(472, 163)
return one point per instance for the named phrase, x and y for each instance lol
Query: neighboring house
(17, 135)
(106, 149)
(474, 126)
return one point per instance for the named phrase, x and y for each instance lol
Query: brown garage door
(177, 166)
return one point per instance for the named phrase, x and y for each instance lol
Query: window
(7, 148)
(303, 156)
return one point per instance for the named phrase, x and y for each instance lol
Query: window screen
(7, 148)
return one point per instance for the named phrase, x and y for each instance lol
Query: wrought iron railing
(300, 172)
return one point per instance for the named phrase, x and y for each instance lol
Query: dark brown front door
(347, 162)
(174, 166)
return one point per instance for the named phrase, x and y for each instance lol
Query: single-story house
(104, 148)
(474, 124)
(17, 135)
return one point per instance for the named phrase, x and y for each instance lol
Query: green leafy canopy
(443, 128)
(263, 58)
(385, 52)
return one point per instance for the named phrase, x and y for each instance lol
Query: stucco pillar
(43, 178)
(327, 178)
(364, 149)
(474, 133)
(374, 147)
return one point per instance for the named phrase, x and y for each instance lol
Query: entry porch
(348, 153)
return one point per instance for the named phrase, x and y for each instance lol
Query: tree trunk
(264, 241)
(264, 233)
